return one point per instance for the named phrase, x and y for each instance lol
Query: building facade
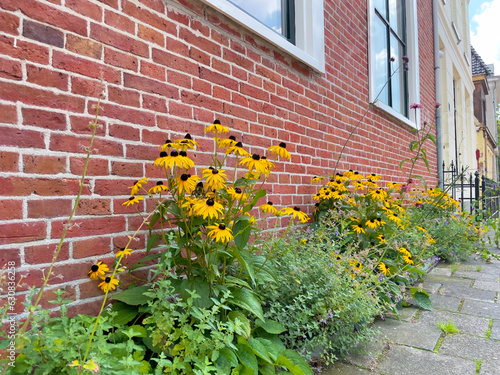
(329, 78)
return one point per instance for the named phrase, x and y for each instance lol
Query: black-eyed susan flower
(268, 208)
(225, 142)
(357, 265)
(394, 217)
(217, 128)
(174, 159)
(215, 178)
(132, 201)
(383, 268)
(280, 151)
(123, 252)
(187, 183)
(380, 222)
(372, 224)
(220, 233)
(381, 239)
(408, 259)
(158, 188)
(356, 176)
(268, 164)
(98, 270)
(358, 228)
(378, 194)
(374, 177)
(108, 282)
(295, 212)
(208, 208)
(404, 251)
(137, 185)
(394, 185)
(253, 163)
(237, 149)
(186, 142)
(236, 193)
(168, 145)
(252, 175)
(317, 179)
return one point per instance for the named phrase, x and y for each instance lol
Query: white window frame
(309, 44)
(413, 72)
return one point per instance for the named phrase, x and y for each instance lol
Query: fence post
(483, 196)
(476, 189)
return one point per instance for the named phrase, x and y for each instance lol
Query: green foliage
(448, 328)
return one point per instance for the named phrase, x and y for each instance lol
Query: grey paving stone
(487, 285)
(465, 323)
(489, 369)
(477, 275)
(418, 335)
(431, 287)
(403, 360)
(495, 331)
(340, 368)
(445, 302)
(406, 314)
(440, 271)
(471, 347)
(366, 355)
(466, 292)
(480, 308)
(447, 280)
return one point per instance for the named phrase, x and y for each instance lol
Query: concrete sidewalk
(470, 298)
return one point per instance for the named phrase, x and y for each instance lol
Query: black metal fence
(476, 194)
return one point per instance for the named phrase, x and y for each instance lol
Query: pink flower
(405, 58)
(415, 106)
(437, 105)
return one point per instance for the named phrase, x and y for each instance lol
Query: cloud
(486, 38)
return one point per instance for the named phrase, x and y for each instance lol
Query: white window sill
(396, 115)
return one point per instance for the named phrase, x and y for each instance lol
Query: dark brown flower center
(187, 136)
(255, 157)
(184, 177)
(237, 190)
(216, 122)
(270, 203)
(163, 154)
(131, 199)
(174, 154)
(296, 209)
(222, 226)
(283, 144)
(107, 280)
(232, 138)
(215, 171)
(210, 202)
(95, 268)
(183, 153)
(159, 183)
(239, 144)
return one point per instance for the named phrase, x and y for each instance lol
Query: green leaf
(226, 360)
(244, 322)
(245, 299)
(273, 343)
(257, 195)
(423, 300)
(126, 313)
(140, 330)
(423, 181)
(267, 370)
(246, 260)
(133, 296)
(265, 270)
(247, 358)
(201, 288)
(413, 145)
(241, 232)
(152, 241)
(259, 349)
(431, 138)
(156, 216)
(270, 326)
(294, 363)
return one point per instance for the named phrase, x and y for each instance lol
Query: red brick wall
(166, 68)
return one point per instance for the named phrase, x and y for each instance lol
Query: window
(393, 34)
(295, 26)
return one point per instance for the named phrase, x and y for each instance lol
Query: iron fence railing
(476, 193)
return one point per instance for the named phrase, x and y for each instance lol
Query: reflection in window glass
(381, 61)
(266, 11)
(380, 5)
(396, 16)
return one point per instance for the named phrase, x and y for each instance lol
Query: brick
(125, 169)
(46, 77)
(119, 21)
(107, 187)
(9, 161)
(151, 86)
(178, 47)
(22, 186)
(80, 125)
(150, 35)
(111, 3)
(85, 67)
(44, 164)
(121, 60)
(130, 115)
(44, 253)
(124, 132)
(88, 289)
(83, 46)
(154, 4)
(11, 209)
(42, 33)
(201, 42)
(152, 70)
(218, 78)
(10, 255)
(8, 114)
(118, 40)
(124, 96)
(22, 138)
(47, 14)
(24, 50)
(96, 167)
(160, 23)
(22, 232)
(175, 62)
(141, 152)
(86, 87)
(198, 100)
(49, 208)
(9, 23)
(199, 56)
(90, 227)
(41, 98)
(91, 247)
(179, 79)
(70, 143)
(44, 119)
(94, 206)
(85, 8)
(10, 69)
(154, 103)
(180, 110)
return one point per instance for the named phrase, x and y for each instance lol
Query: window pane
(381, 60)
(266, 11)
(398, 86)
(396, 16)
(380, 5)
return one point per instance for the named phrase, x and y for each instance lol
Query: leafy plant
(448, 328)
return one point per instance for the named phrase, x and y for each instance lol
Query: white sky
(484, 22)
